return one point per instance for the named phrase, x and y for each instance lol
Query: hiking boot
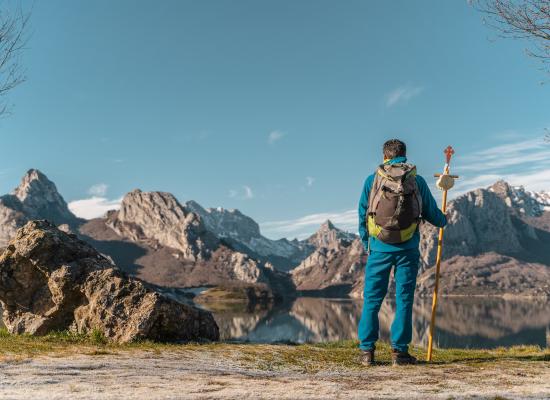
(367, 359)
(402, 358)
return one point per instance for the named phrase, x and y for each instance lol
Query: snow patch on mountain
(527, 203)
(232, 224)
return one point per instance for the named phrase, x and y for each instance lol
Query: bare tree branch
(521, 19)
(13, 30)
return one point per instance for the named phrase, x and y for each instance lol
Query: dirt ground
(207, 375)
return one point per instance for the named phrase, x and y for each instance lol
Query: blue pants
(377, 274)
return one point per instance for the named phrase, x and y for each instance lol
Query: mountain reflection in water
(461, 322)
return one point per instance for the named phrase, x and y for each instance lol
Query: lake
(461, 322)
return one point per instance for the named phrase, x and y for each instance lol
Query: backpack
(395, 204)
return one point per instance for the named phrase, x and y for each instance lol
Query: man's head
(394, 148)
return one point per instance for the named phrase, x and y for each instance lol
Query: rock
(51, 280)
(65, 228)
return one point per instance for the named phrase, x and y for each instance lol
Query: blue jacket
(430, 213)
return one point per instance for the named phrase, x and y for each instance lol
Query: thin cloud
(246, 193)
(310, 181)
(275, 136)
(98, 190)
(305, 226)
(524, 161)
(93, 207)
(402, 94)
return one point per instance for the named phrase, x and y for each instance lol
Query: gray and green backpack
(395, 204)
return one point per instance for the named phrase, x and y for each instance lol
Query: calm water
(461, 323)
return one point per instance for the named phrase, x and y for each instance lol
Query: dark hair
(394, 148)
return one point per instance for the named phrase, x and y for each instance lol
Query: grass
(345, 356)
(307, 358)
(65, 343)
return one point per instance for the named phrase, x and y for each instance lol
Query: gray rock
(50, 280)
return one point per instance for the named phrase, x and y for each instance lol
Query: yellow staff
(445, 181)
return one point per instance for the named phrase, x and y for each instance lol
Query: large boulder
(51, 280)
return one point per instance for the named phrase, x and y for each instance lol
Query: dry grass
(342, 356)
(305, 358)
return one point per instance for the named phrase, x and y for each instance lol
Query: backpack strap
(417, 196)
(375, 193)
(418, 200)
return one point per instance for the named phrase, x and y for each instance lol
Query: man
(393, 203)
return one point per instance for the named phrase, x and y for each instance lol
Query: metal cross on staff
(448, 154)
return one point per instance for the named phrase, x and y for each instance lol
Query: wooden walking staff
(448, 154)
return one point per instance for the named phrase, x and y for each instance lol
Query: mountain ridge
(168, 243)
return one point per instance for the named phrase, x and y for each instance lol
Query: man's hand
(445, 182)
(364, 257)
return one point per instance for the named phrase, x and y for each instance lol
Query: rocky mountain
(495, 244)
(159, 220)
(243, 234)
(488, 274)
(496, 219)
(489, 220)
(523, 202)
(334, 265)
(161, 241)
(495, 236)
(36, 197)
(154, 237)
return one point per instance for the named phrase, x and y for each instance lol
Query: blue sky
(277, 108)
